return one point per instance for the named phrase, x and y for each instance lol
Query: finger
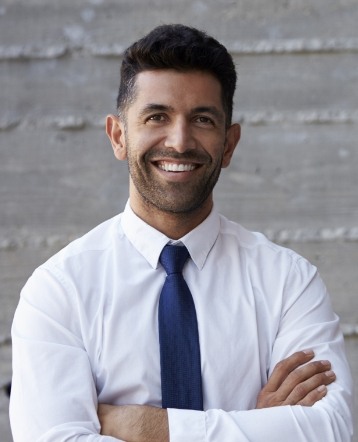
(314, 396)
(302, 374)
(285, 367)
(308, 389)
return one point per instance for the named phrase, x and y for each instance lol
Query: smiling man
(170, 322)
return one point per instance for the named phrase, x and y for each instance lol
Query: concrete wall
(294, 176)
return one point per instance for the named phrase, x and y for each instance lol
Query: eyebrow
(150, 107)
(155, 107)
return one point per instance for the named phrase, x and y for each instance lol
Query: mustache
(192, 156)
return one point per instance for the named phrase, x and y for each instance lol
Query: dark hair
(181, 48)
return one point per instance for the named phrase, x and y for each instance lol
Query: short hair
(181, 48)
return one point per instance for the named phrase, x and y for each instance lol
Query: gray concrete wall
(294, 176)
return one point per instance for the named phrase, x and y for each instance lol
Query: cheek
(217, 151)
(144, 140)
(137, 155)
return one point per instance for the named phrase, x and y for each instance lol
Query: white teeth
(173, 167)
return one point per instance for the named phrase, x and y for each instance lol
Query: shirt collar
(150, 242)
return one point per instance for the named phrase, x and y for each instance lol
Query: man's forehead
(158, 74)
(154, 86)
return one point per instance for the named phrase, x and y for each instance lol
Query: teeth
(173, 167)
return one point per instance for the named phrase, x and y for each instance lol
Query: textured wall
(295, 173)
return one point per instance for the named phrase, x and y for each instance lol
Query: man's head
(174, 125)
(180, 48)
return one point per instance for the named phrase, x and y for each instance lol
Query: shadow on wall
(7, 388)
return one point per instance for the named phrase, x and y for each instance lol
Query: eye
(156, 118)
(204, 120)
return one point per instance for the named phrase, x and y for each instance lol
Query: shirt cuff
(186, 425)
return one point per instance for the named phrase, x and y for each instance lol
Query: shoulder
(257, 247)
(66, 281)
(273, 269)
(96, 242)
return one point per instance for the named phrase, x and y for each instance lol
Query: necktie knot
(173, 258)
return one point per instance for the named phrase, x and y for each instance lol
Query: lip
(176, 166)
(178, 171)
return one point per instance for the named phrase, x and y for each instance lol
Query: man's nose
(179, 137)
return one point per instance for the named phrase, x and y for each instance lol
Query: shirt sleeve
(53, 394)
(307, 322)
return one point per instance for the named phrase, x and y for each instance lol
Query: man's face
(175, 140)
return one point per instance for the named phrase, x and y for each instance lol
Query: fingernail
(327, 363)
(322, 388)
(330, 374)
(308, 352)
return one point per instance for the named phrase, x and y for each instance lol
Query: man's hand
(134, 423)
(293, 383)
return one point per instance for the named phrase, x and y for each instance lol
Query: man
(90, 351)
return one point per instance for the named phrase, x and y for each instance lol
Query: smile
(175, 167)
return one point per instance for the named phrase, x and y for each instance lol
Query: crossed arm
(56, 400)
(294, 381)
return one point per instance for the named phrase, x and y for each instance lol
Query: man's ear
(232, 138)
(115, 132)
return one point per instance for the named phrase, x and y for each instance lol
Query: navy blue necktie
(178, 336)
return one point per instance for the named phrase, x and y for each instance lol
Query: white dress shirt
(86, 331)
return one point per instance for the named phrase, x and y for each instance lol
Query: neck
(172, 225)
